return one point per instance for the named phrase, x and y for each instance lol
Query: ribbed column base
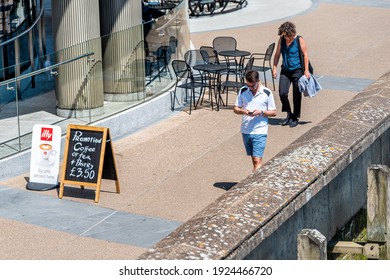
(124, 97)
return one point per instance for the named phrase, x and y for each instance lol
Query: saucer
(46, 162)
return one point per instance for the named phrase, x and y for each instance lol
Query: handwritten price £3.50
(80, 172)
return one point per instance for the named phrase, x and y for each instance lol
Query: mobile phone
(250, 113)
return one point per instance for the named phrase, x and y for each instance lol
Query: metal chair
(227, 43)
(210, 56)
(173, 42)
(192, 58)
(197, 57)
(237, 84)
(185, 80)
(163, 58)
(265, 59)
(224, 43)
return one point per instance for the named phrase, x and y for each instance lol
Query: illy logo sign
(45, 157)
(46, 134)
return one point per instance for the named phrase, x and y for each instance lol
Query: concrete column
(312, 245)
(122, 44)
(76, 30)
(378, 205)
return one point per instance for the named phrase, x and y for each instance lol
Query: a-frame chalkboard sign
(88, 158)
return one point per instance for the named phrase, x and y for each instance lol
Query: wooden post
(370, 250)
(312, 245)
(378, 205)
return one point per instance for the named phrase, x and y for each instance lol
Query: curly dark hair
(287, 28)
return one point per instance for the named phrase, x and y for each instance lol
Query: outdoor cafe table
(234, 53)
(238, 65)
(215, 70)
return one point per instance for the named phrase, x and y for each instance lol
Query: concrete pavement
(173, 169)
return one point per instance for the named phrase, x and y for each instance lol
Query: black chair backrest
(224, 43)
(181, 68)
(249, 64)
(269, 51)
(164, 55)
(173, 42)
(194, 57)
(210, 56)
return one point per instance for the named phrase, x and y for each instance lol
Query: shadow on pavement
(225, 185)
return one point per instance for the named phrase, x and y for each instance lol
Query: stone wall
(318, 182)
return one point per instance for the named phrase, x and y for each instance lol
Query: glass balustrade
(89, 81)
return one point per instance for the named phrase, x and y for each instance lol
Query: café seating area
(202, 77)
(215, 70)
(162, 27)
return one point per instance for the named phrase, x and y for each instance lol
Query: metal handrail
(28, 29)
(36, 72)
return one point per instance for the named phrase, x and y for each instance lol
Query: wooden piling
(378, 205)
(312, 245)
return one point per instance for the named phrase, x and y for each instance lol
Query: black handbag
(311, 70)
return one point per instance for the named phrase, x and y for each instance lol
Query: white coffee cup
(46, 150)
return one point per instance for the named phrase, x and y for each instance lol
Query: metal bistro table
(238, 66)
(213, 70)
